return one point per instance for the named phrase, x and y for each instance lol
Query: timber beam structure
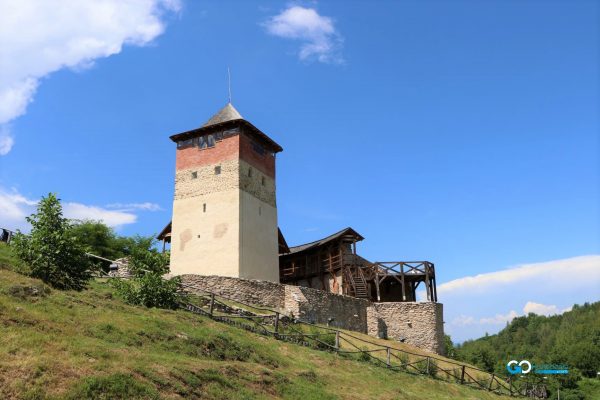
(404, 275)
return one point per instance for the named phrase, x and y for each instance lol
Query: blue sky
(465, 133)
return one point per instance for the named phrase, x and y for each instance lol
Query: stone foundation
(417, 324)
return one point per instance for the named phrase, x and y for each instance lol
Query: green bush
(149, 290)
(148, 287)
(145, 258)
(404, 360)
(51, 250)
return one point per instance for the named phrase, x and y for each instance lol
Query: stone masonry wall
(418, 324)
(321, 307)
(235, 173)
(206, 181)
(262, 293)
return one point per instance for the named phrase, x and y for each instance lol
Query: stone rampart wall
(262, 293)
(317, 306)
(415, 323)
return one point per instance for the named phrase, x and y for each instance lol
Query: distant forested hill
(572, 338)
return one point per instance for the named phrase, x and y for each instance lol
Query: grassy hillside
(90, 345)
(572, 339)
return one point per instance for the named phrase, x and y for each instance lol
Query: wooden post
(510, 389)
(377, 284)
(427, 286)
(403, 283)
(428, 365)
(388, 357)
(212, 304)
(462, 375)
(337, 340)
(491, 383)
(276, 324)
(434, 284)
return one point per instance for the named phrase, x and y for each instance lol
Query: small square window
(194, 174)
(218, 170)
(262, 181)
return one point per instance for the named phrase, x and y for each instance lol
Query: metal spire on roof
(229, 83)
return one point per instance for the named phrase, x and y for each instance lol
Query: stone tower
(224, 211)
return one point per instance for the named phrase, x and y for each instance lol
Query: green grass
(90, 345)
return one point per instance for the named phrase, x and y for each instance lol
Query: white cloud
(147, 206)
(463, 320)
(320, 40)
(109, 217)
(14, 207)
(483, 303)
(552, 272)
(6, 139)
(543, 309)
(38, 37)
(499, 319)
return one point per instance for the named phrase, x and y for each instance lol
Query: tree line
(571, 339)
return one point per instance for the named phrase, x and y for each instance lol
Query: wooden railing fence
(272, 323)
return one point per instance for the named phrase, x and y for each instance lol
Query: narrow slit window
(259, 210)
(218, 170)
(202, 142)
(250, 172)
(210, 141)
(204, 207)
(262, 181)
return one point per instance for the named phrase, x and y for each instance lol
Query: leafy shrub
(364, 356)
(324, 341)
(148, 287)
(433, 368)
(404, 360)
(51, 251)
(150, 290)
(145, 258)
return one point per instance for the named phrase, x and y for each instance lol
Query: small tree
(51, 250)
(144, 257)
(148, 287)
(101, 239)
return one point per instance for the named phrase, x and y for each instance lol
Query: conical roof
(227, 113)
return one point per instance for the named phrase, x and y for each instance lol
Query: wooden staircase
(358, 284)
